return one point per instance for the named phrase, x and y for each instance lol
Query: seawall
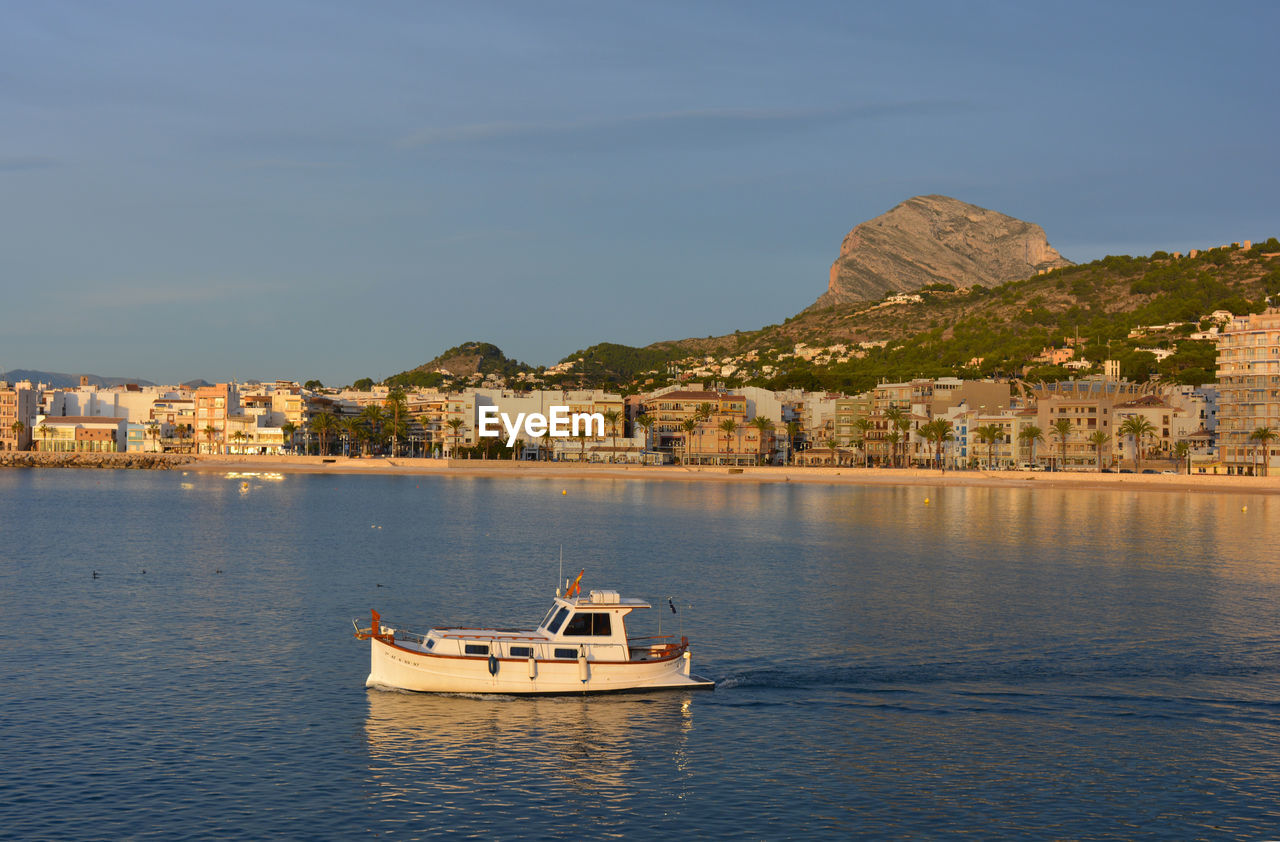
(137, 461)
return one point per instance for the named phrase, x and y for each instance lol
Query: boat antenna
(561, 576)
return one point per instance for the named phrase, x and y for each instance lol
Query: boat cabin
(594, 626)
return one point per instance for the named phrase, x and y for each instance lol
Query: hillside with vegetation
(980, 331)
(1131, 309)
(461, 362)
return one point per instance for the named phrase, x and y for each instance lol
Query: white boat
(580, 647)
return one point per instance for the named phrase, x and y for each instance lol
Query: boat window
(566, 653)
(521, 651)
(554, 626)
(586, 624)
(547, 619)
(430, 643)
(476, 649)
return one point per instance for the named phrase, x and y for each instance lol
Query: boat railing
(662, 646)
(539, 638)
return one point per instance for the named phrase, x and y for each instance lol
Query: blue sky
(338, 190)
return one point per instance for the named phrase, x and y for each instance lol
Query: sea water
(177, 660)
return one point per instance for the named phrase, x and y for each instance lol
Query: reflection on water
(442, 750)
(1010, 661)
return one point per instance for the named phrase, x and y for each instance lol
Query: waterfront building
(1169, 424)
(214, 406)
(847, 412)
(81, 434)
(1006, 451)
(1249, 391)
(923, 400)
(708, 444)
(126, 401)
(19, 404)
(670, 409)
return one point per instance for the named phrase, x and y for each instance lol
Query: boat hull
(406, 669)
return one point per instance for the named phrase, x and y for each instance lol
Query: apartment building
(19, 404)
(671, 409)
(215, 405)
(1249, 392)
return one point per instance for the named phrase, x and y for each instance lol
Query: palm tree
(688, 425)
(765, 425)
(517, 448)
(1029, 435)
(454, 424)
(893, 438)
(398, 406)
(373, 416)
(728, 427)
(612, 417)
(238, 437)
(793, 430)
(1061, 429)
(863, 425)
(1263, 436)
(1182, 450)
(45, 431)
(894, 416)
(645, 422)
(990, 434)
(1138, 427)
(904, 424)
(1099, 440)
(323, 423)
(355, 431)
(704, 412)
(938, 432)
(181, 431)
(153, 430)
(288, 429)
(17, 428)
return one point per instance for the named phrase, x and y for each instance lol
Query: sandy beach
(828, 476)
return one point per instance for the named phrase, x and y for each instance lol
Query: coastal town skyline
(191, 192)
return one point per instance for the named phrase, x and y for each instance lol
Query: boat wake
(1049, 669)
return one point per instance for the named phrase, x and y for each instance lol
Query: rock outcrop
(931, 240)
(136, 461)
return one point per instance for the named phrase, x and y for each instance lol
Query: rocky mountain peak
(936, 239)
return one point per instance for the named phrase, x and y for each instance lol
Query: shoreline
(502, 469)
(1200, 483)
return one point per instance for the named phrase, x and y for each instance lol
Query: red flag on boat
(575, 587)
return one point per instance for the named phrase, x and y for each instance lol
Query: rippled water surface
(992, 662)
